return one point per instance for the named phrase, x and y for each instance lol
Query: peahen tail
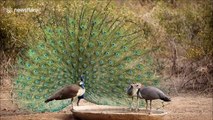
(83, 37)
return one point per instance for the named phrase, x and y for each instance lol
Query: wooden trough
(102, 112)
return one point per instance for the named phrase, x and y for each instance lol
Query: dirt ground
(182, 107)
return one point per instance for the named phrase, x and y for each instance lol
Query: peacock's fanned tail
(82, 38)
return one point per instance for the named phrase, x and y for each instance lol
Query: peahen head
(138, 85)
(81, 83)
(133, 88)
(135, 85)
(82, 78)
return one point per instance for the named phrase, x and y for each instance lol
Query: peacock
(89, 38)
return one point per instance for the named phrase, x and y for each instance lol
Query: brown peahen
(69, 91)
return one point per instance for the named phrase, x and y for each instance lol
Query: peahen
(151, 93)
(82, 38)
(132, 92)
(69, 91)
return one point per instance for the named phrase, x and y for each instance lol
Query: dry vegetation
(182, 31)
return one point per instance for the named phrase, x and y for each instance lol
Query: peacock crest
(83, 38)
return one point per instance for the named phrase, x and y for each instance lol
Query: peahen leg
(137, 107)
(150, 106)
(131, 105)
(78, 102)
(71, 104)
(146, 105)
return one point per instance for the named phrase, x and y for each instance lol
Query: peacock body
(83, 38)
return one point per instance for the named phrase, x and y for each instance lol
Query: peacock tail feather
(82, 38)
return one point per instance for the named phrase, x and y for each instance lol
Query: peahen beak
(82, 78)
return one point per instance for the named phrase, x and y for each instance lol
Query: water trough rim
(83, 109)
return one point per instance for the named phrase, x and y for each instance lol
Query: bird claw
(148, 112)
(72, 109)
(137, 109)
(130, 109)
(133, 110)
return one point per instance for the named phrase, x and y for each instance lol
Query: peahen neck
(82, 86)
